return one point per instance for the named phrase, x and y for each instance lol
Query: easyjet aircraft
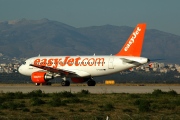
(83, 68)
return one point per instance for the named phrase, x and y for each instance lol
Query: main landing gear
(65, 83)
(91, 82)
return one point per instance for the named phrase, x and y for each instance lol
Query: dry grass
(87, 106)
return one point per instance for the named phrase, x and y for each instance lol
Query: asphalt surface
(92, 89)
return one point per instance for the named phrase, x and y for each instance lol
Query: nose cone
(23, 69)
(20, 69)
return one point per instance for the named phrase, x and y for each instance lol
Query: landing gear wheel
(65, 83)
(91, 83)
(37, 84)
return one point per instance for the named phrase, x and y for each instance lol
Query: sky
(163, 15)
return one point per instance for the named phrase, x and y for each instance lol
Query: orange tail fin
(133, 45)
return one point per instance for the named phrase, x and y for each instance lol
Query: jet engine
(40, 77)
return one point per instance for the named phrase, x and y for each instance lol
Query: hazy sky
(163, 15)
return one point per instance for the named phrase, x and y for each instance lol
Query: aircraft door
(110, 65)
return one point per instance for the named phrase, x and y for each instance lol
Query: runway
(94, 89)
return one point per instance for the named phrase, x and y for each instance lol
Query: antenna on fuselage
(39, 55)
(94, 54)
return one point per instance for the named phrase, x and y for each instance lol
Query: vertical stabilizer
(133, 45)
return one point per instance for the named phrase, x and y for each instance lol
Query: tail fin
(133, 45)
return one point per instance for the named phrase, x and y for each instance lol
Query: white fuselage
(83, 66)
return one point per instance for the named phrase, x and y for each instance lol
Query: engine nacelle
(40, 77)
(79, 79)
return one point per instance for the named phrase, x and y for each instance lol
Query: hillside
(27, 38)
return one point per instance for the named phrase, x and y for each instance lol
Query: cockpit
(24, 63)
(24, 68)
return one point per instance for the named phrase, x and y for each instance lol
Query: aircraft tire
(37, 84)
(91, 83)
(65, 83)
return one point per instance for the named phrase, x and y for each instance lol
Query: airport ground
(99, 88)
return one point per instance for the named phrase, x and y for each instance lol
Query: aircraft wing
(62, 71)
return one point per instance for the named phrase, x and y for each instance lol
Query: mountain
(27, 38)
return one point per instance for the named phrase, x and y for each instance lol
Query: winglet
(133, 45)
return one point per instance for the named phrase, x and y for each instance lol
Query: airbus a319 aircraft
(81, 69)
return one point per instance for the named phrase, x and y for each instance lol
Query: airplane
(81, 69)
